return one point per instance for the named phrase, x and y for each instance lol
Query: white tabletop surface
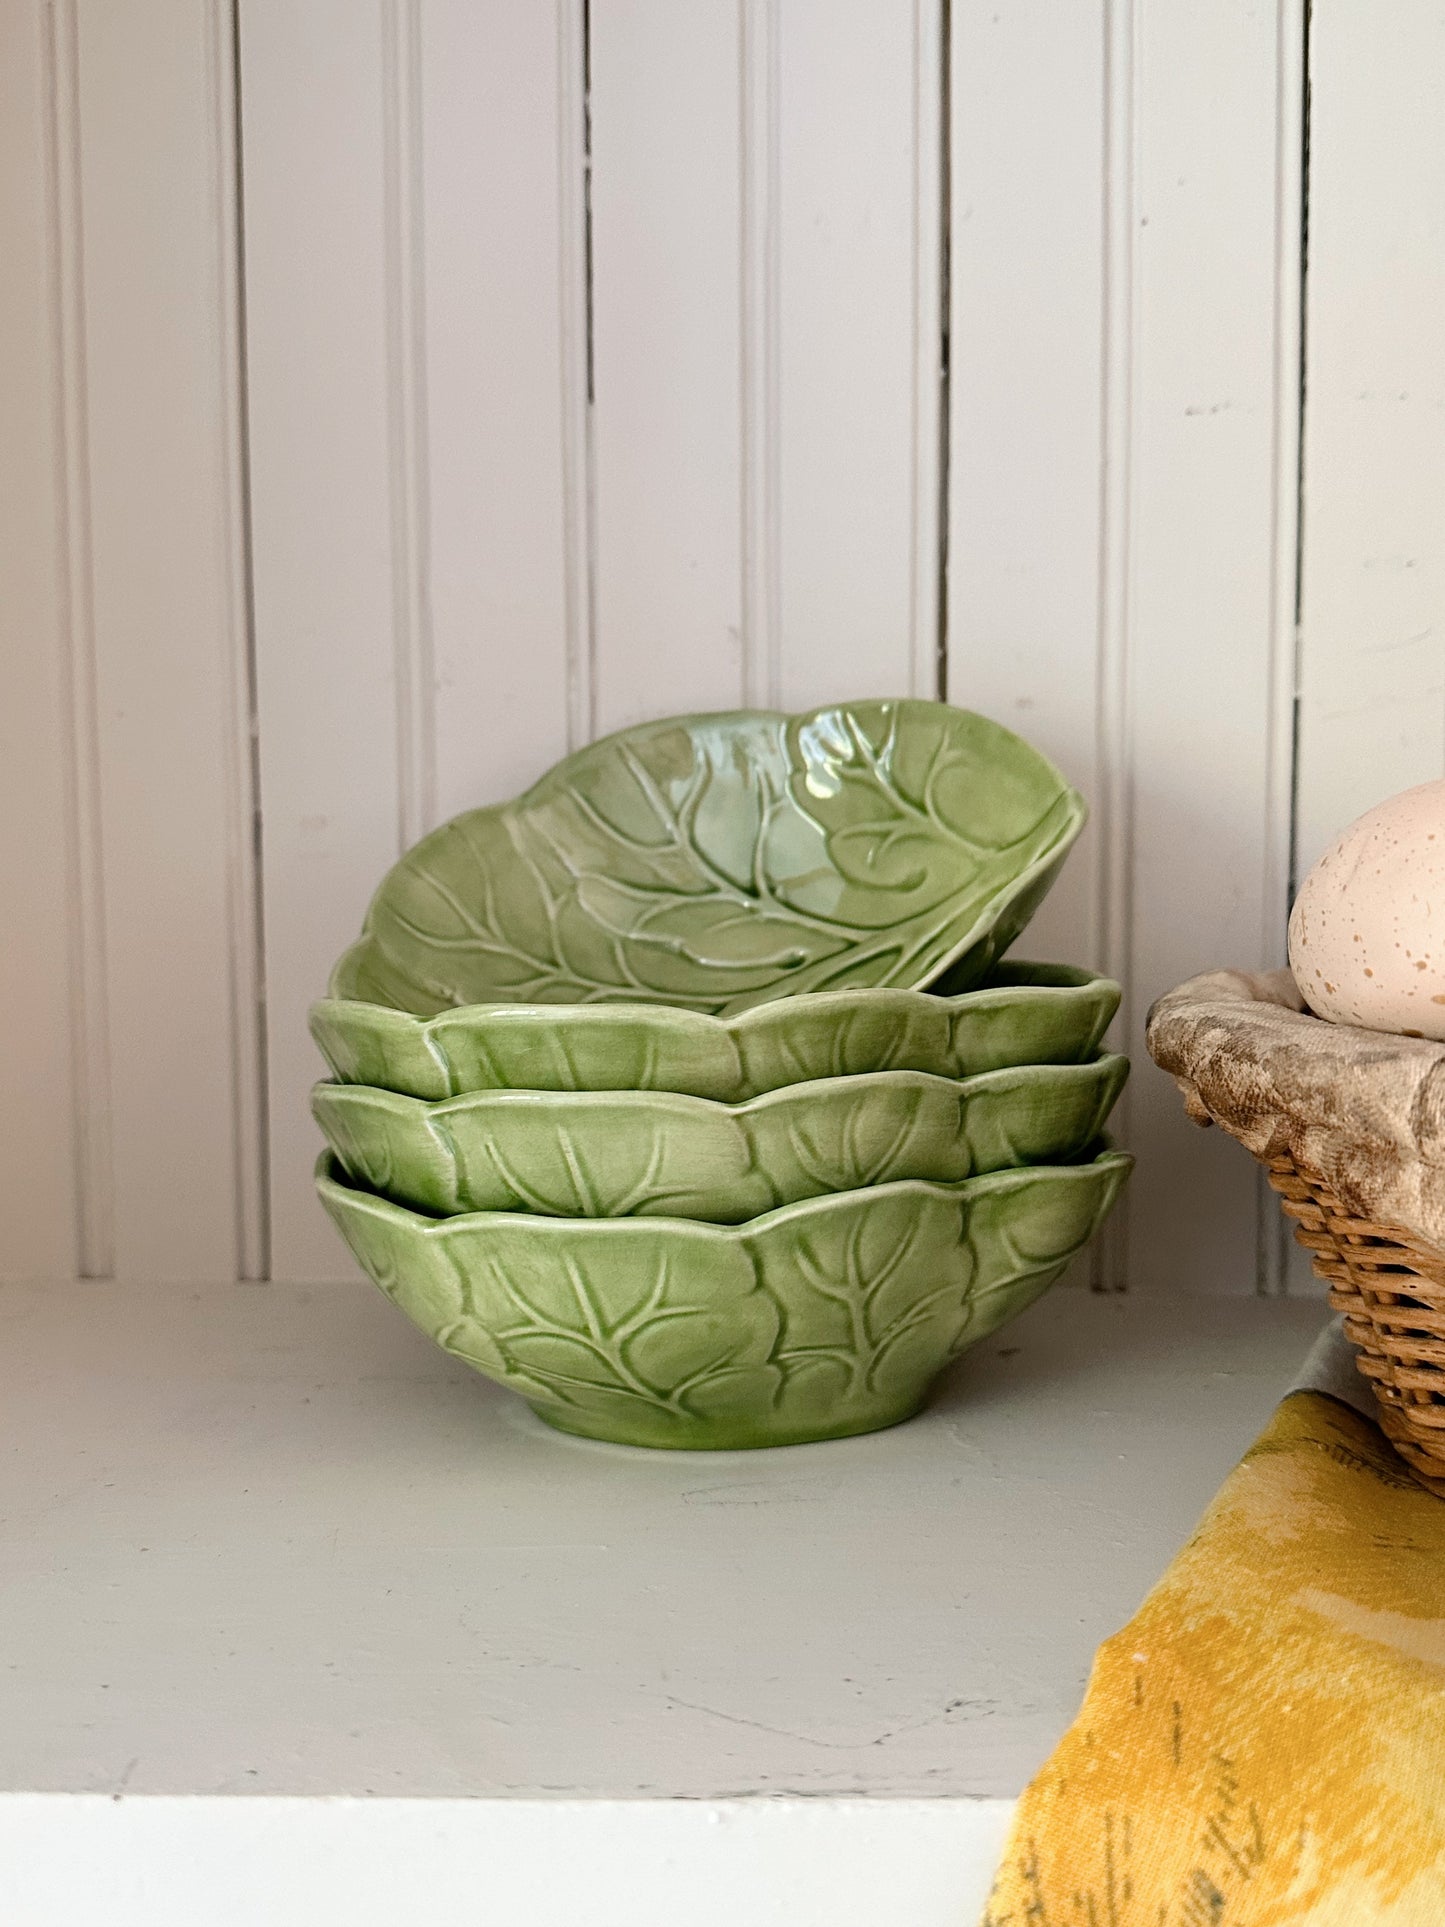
(267, 1540)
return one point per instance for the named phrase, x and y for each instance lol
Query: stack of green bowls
(688, 1096)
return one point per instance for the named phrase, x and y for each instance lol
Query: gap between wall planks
(1131, 613)
(133, 629)
(1283, 1267)
(40, 1119)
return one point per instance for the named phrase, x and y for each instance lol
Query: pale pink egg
(1367, 932)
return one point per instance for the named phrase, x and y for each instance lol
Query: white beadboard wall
(132, 1127)
(398, 392)
(1372, 683)
(1125, 398)
(592, 374)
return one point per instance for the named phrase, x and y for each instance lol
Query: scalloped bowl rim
(1101, 1064)
(329, 1177)
(1071, 977)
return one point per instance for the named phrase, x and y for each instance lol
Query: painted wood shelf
(266, 1550)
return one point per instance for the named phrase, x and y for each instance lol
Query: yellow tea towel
(1264, 1744)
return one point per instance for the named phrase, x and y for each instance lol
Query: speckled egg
(1367, 933)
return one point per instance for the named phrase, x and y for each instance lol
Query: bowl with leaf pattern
(816, 1320)
(606, 1154)
(1022, 1013)
(715, 862)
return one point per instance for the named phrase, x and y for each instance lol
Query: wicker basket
(1391, 1289)
(1348, 1127)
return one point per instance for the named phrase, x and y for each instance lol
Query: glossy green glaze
(715, 862)
(607, 1154)
(814, 1321)
(1023, 1014)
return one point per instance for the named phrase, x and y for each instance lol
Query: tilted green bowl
(1024, 1013)
(813, 1321)
(605, 1154)
(716, 862)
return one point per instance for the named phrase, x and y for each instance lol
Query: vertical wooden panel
(154, 102)
(1025, 359)
(247, 964)
(932, 219)
(856, 187)
(1214, 400)
(760, 278)
(1124, 397)
(403, 214)
(1372, 712)
(39, 1205)
(140, 538)
(766, 256)
(667, 304)
(314, 145)
(1372, 606)
(1284, 1268)
(502, 175)
(416, 310)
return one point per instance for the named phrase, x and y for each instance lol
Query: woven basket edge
(1361, 1112)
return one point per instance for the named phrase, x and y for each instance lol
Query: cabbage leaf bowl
(592, 1154)
(688, 1095)
(813, 1321)
(716, 862)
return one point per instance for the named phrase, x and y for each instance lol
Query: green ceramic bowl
(1024, 1014)
(814, 1321)
(717, 862)
(609, 1154)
